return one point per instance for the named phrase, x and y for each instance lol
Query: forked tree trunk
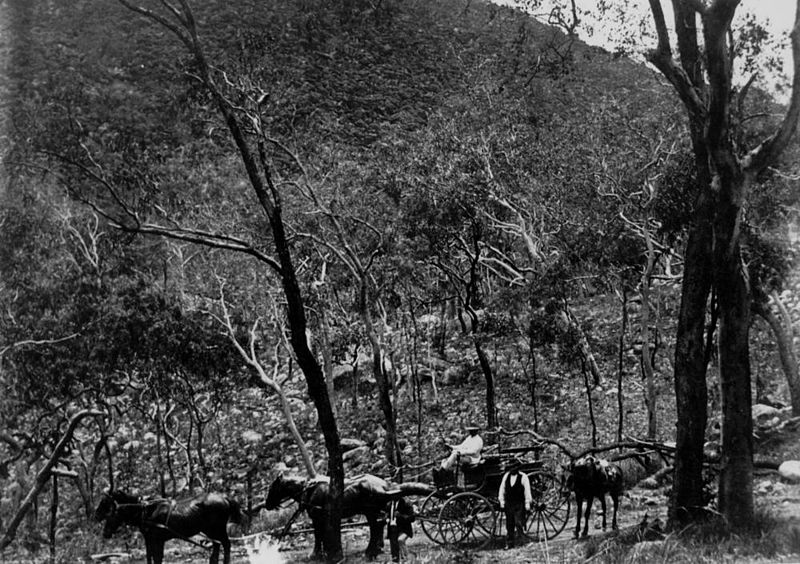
(702, 80)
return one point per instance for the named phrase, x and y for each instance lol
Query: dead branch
(43, 476)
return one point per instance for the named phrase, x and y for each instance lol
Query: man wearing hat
(515, 500)
(469, 450)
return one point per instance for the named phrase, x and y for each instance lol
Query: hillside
(475, 163)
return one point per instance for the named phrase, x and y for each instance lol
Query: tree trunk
(691, 394)
(317, 387)
(621, 364)
(569, 323)
(327, 360)
(391, 450)
(53, 519)
(385, 403)
(783, 338)
(589, 403)
(736, 475)
(488, 375)
(646, 359)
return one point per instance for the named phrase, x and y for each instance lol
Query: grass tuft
(769, 537)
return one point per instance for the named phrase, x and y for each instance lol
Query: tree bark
(488, 375)
(736, 475)
(317, 387)
(691, 394)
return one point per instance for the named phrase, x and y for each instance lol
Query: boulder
(356, 456)
(790, 470)
(351, 443)
(764, 413)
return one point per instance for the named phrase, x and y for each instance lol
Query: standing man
(469, 450)
(515, 500)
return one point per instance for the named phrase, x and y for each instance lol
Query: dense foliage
(465, 174)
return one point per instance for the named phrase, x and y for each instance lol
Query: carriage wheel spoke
(551, 508)
(471, 515)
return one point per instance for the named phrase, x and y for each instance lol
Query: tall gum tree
(702, 77)
(248, 134)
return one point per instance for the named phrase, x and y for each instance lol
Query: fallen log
(645, 530)
(109, 555)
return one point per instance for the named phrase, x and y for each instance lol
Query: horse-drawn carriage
(466, 511)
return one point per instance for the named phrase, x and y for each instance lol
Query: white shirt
(470, 448)
(526, 486)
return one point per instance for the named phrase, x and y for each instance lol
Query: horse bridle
(309, 484)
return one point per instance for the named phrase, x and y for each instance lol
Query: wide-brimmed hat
(472, 427)
(513, 464)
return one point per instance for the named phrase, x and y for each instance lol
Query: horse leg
(394, 543)
(158, 552)
(318, 523)
(226, 550)
(374, 548)
(214, 554)
(603, 508)
(589, 501)
(148, 550)
(578, 502)
(615, 500)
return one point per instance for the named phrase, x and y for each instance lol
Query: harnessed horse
(367, 495)
(160, 520)
(590, 477)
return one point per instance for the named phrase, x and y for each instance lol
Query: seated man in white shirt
(469, 451)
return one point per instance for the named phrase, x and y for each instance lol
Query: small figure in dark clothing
(515, 500)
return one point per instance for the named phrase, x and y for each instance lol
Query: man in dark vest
(515, 500)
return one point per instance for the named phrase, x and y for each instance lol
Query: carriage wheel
(550, 511)
(429, 515)
(467, 518)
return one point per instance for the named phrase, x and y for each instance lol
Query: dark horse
(160, 520)
(590, 477)
(367, 495)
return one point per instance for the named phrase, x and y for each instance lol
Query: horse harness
(151, 524)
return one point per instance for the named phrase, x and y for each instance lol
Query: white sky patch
(632, 26)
